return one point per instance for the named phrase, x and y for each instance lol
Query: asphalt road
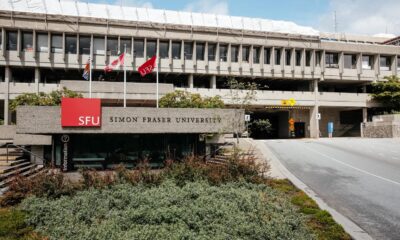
(359, 178)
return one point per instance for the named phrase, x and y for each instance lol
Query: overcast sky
(353, 16)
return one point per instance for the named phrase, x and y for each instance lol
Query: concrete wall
(382, 126)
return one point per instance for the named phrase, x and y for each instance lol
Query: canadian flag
(147, 67)
(117, 62)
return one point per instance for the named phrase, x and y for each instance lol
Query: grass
(319, 221)
(14, 227)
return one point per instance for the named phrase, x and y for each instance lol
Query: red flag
(117, 62)
(148, 66)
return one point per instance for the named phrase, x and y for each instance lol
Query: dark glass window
(318, 58)
(223, 53)
(112, 46)
(42, 42)
(298, 57)
(125, 45)
(12, 39)
(350, 61)
(27, 41)
(245, 53)
(367, 62)
(176, 50)
(70, 44)
(212, 49)
(84, 45)
(277, 54)
(56, 43)
(99, 46)
(385, 63)
(151, 48)
(398, 63)
(200, 51)
(188, 50)
(23, 75)
(308, 58)
(332, 60)
(288, 56)
(234, 53)
(164, 49)
(267, 55)
(138, 48)
(256, 55)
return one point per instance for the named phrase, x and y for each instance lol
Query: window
(245, 53)
(332, 60)
(256, 55)
(385, 63)
(1, 37)
(350, 61)
(151, 48)
(200, 51)
(84, 45)
(267, 56)
(308, 58)
(112, 46)
(288, 57)
(70, 44)
(12, 39)
(188, 50)
(176, 50)
(138, 48)
(212, 49)
(298, 57)
(234, 53)
(99, 46)
(223, 53)
(56, 43)
(42, 42)
(277, 54)
(125, 45)
(23, 75)
(164, 49)
(317, 58)
(27, 41)
(367, 62)
(398, 64)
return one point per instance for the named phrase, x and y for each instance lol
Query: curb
(349, 226)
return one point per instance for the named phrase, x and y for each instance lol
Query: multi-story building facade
(45, 46)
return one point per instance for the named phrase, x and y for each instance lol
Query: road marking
(355, 168)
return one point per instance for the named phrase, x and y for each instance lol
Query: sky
(368, 17)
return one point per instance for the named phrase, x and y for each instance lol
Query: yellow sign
(288, 102)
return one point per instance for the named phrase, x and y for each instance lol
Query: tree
(388, 93)
(259, 128)
(184, 99)
(43, 99)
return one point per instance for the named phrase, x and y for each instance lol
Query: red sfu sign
(80, 112)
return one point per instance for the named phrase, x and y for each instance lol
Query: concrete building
(45, 45)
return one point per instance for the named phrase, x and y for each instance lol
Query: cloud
(362, 17)
(208, 6)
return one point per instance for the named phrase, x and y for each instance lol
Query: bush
(196, 210)
(13, 226)
(183, 99)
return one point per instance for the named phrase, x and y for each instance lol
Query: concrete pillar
(314, 112)
(7, 78)
(37, 79)
(213, 82)
(365, 114)
(190, 81)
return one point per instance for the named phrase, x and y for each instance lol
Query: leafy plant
(388, 93)
(13, 226)
(43, 99)
(183, 99)
(260, 127)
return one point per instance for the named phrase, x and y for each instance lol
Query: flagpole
(90, 71)
(157, 83)
(124, 77)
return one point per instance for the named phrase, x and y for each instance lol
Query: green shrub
(196, 210)
(13, 226)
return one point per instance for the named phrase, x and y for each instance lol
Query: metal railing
(8, 145)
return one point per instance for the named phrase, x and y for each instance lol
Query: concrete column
(37, 79)
(365, 114)
(190, 81)
(314, 122)
(7, 78)
(213, 82)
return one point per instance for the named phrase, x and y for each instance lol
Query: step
(3, 151)
(6, 169)
(29, 173)
(16, 171)
(12, 162)
(9, 158)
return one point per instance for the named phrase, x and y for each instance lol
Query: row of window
(113, 46)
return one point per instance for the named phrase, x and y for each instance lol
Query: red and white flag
(116, 63)
(147, 67)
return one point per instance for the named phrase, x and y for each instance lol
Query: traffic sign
(291, 121)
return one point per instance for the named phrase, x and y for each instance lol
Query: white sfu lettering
(89, 120)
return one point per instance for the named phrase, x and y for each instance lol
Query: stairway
(13, 163)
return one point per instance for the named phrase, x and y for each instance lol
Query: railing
(24, 150)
